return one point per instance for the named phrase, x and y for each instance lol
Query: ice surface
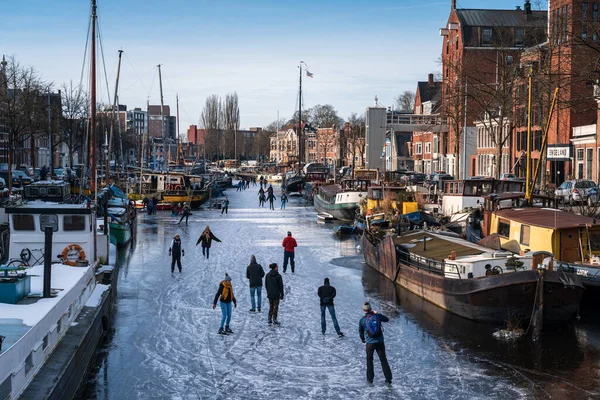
(166, 345)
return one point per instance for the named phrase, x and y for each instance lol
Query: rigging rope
(87, 41)
(103, 59)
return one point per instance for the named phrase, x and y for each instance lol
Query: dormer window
(486, 36)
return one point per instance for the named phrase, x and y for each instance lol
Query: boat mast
(93, 103)
(177, 160)
(300, 155)
(528, 166)
(162, 110)
(114, 110)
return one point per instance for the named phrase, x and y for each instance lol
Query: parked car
(59, 173)
(19, 178)
(505, 177)
(26, 169)
(574, 191)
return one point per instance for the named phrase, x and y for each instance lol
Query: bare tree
(75, 111)
(230, 115)
(406, 101)
(210, 119)
(355, 137)
(21, 110)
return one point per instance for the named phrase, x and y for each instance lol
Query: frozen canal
(165, 343)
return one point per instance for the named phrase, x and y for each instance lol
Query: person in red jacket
(288, 251)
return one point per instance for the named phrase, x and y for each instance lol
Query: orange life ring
(178, 187)
(67, 254)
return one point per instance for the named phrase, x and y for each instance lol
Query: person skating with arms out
(371, 333)
(206, 239)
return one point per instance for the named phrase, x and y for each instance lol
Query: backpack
(373, 325)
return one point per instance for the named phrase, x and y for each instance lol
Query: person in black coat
(326, 295)
(185, 213)
(255, 273)
(274, 286)
(206, 239)
(176, 252)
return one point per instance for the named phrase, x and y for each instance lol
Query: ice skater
(284, 200)
(261, 197)
(226, 297)
(176, 251)
(274, 286)
(271, 198)
(289, 243)
(225, 206)
(371, 325)
(206, 239)
(185, 213)
(255, 274)
(326, 295)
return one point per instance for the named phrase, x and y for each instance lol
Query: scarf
(227, 290)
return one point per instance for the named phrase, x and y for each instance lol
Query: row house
(485, 159)
(479, 48)
(137, 121)
(353, 153)
(167, 129)
(284, 146)
(322, 146)
(426, 151)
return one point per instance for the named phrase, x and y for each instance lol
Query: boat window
(486, 188)
(503, 227)
(460, 188)
(54, 191)
(49, 220)
(32, 192)
(74, 223)
(594, 240)
(525, 229)
(470, 188)
(377, 194)
(23, 222)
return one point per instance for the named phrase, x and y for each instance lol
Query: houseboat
(473, 281)
(172, 188)
(341, 200)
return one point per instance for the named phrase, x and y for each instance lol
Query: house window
(584, 25)
(428, 148)
(519, 37)
(436, 144)
(589, 160)
(486, 36)
(419, 148)
(595, 20)
(504, 228)
(525, 230)
(579, 154)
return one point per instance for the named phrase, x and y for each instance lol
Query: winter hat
(227, 277)
(326, 281)
(289, 233)
(273, 266)
(252, 259)
(367, 307)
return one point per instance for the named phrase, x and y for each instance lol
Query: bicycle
(25, 258)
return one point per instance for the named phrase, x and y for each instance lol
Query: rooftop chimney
(454, 4)
(527, 7)
(430, 79)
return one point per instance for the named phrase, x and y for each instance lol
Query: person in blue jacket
(374, 340)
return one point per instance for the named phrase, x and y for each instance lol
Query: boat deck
(17, 319)
(438, 247)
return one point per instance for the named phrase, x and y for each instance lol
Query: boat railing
(452, 271)
(426, 264)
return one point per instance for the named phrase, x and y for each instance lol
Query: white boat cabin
(73, 226)
(462, 194)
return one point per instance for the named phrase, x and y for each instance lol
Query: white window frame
(427, 147)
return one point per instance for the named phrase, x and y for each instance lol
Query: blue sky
(355, 49)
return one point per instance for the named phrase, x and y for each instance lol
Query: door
(569, 246)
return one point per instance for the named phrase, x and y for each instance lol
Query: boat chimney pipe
(47, 260)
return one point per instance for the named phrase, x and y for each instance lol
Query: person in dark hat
(255, 274)
(274, 286)
(289, 243)
(226, 297)
(371, 333)
(185, 213)
(176, 252)
(327, 293)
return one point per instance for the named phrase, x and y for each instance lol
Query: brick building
(479, 46)
(426, 150)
